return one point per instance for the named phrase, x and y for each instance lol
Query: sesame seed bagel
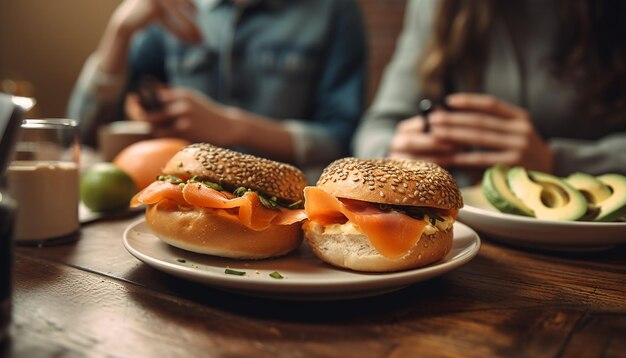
(390, 181)
(349, 228)
(222, 224)
(355, 252)
(238, 169)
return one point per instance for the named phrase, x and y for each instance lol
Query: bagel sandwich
(381, 215)
(216, 201)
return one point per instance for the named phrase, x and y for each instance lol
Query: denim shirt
(299, 61)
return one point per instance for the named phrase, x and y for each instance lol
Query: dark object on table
(7, 220)
(426, 106)
(12, 110)
(147, 92)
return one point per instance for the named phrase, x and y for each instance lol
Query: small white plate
(530, 232)
(305, 276)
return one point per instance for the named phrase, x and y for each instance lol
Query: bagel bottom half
(204, 231)
(355, 252)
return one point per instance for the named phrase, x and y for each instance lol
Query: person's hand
(411, 141)
(502, 133)
(175, 15)
(189, 115)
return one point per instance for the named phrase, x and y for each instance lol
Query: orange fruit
(145, 160)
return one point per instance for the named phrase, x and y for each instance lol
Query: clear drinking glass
(43, 179)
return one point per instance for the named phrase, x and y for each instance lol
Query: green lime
(106, 187)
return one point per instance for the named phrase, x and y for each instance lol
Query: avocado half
(613, 207)
(550, 197)
(606, 194)
(594, 191)
(497, 191)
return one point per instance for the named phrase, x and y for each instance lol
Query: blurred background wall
(44, 43)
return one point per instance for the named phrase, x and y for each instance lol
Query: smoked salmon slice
(392, 233)
(156, 192)
(248, 208)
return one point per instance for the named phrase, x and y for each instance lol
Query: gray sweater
(517, 73)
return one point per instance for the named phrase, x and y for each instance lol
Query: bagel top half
(392, 182)
(235, 169)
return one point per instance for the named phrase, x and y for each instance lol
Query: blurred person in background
(535, 83)
(282, 79)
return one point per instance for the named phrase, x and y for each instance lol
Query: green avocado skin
(498, 193)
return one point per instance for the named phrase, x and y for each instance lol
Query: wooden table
(90, 297)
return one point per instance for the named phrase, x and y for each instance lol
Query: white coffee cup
(115, 136)
(43, 178)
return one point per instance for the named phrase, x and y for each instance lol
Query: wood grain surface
(90, 297)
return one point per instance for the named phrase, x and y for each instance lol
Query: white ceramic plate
(86, 216)
(305, 276)
(545, 234)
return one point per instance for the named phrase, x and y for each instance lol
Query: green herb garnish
(268, 203)
(169, 178)
(212, 185)
(208, 183)
(241, 191)
(271, 204)
(276, 275)
(234, 272)
(296, 205)
(181, 260)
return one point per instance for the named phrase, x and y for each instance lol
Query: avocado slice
(594, 191)
(613, 207)
(497, 191)
(550, 197)
(591, 187)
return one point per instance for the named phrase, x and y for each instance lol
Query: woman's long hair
(589, 52)
(457, 48)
